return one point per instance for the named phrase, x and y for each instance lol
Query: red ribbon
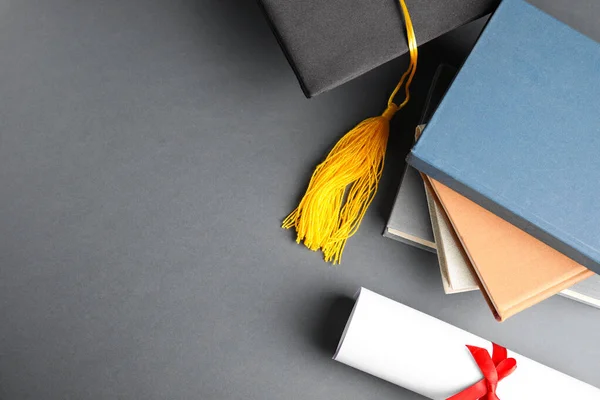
(494, 369)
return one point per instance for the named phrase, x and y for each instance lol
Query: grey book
(409, 221)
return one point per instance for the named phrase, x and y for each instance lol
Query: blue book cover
(519, 130)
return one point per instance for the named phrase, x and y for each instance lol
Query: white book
(587, 292)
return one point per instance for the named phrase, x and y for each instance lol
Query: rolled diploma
(428, 356)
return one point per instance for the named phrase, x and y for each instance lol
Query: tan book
(457, 271)
(515, 270)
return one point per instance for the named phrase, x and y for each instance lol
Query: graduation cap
(329, 42)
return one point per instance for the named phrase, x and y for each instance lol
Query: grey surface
(148, 152)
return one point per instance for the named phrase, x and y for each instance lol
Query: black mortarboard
(329, 42)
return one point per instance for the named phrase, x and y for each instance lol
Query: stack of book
(503, 179)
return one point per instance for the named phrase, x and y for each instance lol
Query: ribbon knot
(491, 389)
(390, 111)
(494, 369)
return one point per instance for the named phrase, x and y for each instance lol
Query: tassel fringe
(323, 220)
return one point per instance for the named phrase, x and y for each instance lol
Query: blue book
(518, 132)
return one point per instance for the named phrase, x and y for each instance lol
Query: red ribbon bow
(494, 369)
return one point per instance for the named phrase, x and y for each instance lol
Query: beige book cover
(456, 270)
(515, 270)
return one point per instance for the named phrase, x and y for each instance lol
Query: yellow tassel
(344, 185)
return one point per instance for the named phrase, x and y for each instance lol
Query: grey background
(148, 152)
